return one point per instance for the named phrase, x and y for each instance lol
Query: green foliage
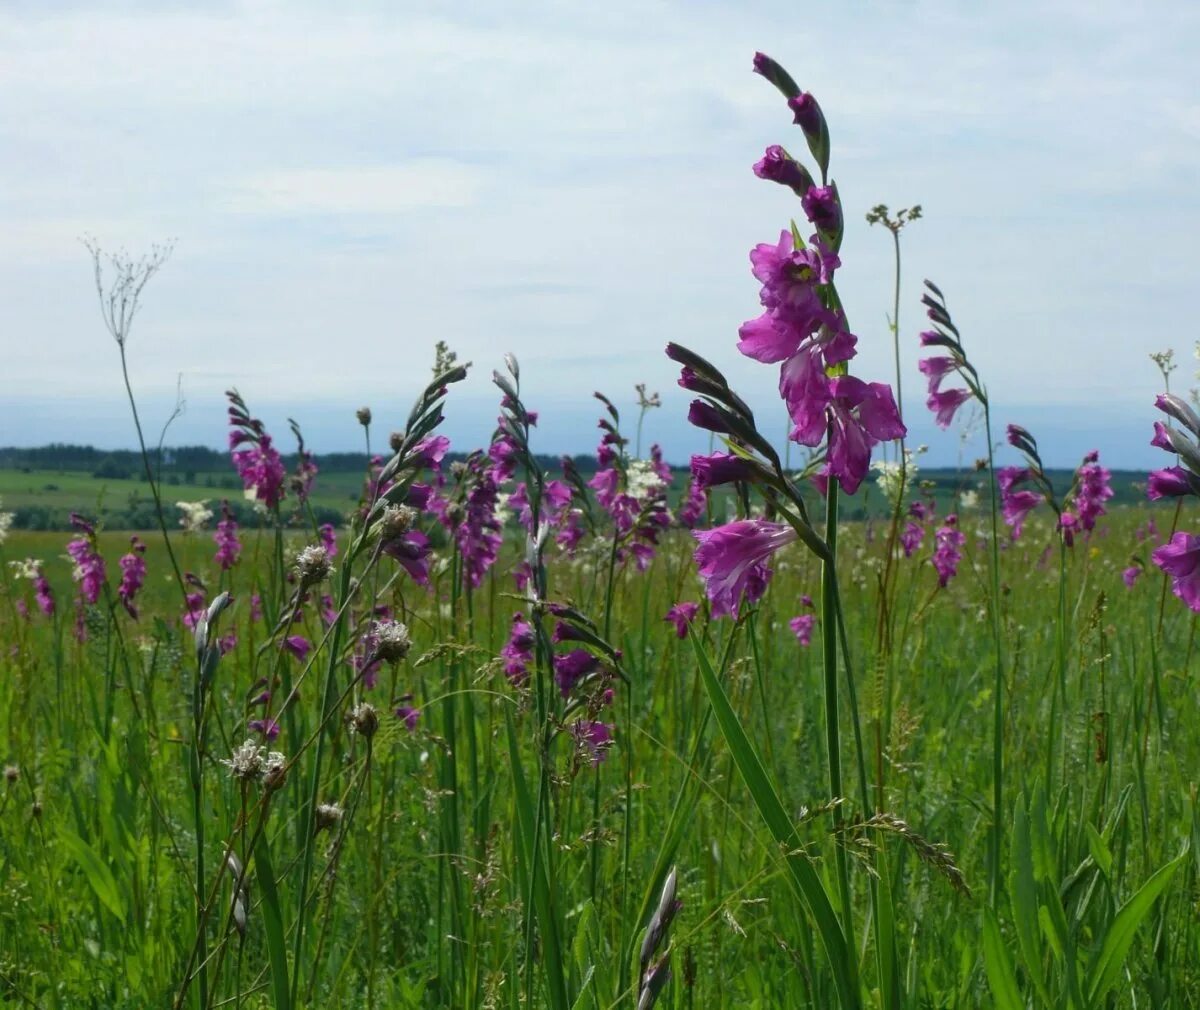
(722, 743)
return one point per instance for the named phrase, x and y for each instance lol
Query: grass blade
(1002, 979)
(808, 885)
(1119, 937)
(273, 925)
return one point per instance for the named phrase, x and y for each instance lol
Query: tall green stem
(830, 664)
(998, 647)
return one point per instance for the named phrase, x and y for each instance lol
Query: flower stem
(998, 646)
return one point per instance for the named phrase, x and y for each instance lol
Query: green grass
(417, 900)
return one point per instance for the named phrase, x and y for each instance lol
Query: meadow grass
(99, 906)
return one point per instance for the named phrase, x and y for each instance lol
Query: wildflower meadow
(787, 729)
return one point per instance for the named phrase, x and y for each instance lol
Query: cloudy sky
(347, 184)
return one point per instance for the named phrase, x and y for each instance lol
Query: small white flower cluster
(6, 521)
(642, 480)
(27, 569)
(196, 515)
(968, 500)
(503, 512)
(312, 565)
(888, 474)
(251, 761)
(392, 641)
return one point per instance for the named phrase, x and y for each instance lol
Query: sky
(346, 184)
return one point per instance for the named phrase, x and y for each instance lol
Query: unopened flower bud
(364, 416)
(773, 72)
(458, 468)
(823, 209)
(396, 440)
(776, 165)
(11, 774)
(455, 513)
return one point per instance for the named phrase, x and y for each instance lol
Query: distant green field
(44, 498)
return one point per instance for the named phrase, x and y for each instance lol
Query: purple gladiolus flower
(861, 414)
(133, 574)
(1091, 491)
(1180, 559)
(823, 209)
(911, 538)
(570, 668)
(694, 505)
(705, 416)
(776, 165)
(259, 466)
(328, 539)
(229, 548)
(732, 560)
(681, 615)
(411, 549)
(43, 593)
(1161, 439)
(945, 403)
(806, 113)
(430, 451)
(1016, 506)
(518, 650)
(408, 714)
(267, 728)
(298, 646)
(1171, 482)
(593, 738)
(89, 570)
(571, 535)
(721, 468)
(195, 609)
(802, 627)
(1068, 523)
(948, 552)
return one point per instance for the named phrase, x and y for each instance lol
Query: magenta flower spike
(802, 627)
(682, 615)
(732, 561)
(1180, 559)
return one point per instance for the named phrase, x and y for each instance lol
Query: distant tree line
(124, 464)
(211, 469)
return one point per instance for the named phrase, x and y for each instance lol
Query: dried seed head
(364, 416)
(312, 565)
(246, 762)
(274, 772)
(392, 641)
(364, 720)
(458, 468)
(11, 774)
(36, 808)
(455, 513)
(328, 815)
(396, 440)
(396, 521)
